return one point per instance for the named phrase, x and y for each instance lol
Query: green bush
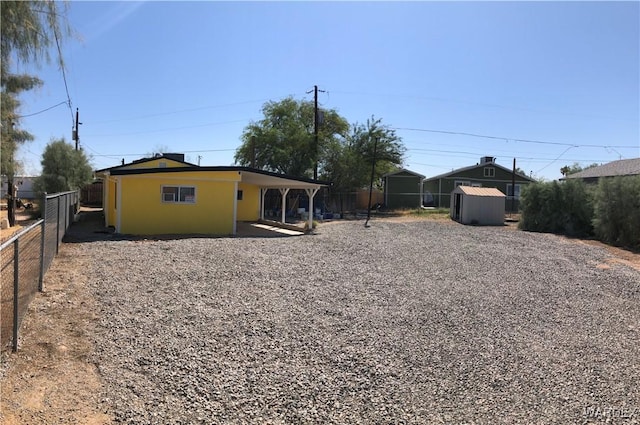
(617, 211)
(557, 208)
(578, 208)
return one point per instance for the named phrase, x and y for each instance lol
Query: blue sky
(189, 76)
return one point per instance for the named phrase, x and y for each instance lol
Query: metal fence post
(16, 291)
(57, 224)
(66, 214)
(43, 214)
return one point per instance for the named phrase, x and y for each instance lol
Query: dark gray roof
(404, 170)
(623, 167)
(471, 167)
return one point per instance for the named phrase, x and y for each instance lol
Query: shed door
(456, 203)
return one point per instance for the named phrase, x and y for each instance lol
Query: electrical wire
(64, 75)
(465, 154)
(463, 102)
(44, 110)
(180, 111)
(563, 152)
(165, 129)
(143, 154)
(507, 139)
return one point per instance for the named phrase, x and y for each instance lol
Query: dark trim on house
(137, 171)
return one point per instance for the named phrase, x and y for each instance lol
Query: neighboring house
(166, 195)
(24, 185)
(623, 167)
(478, 205)
(403, 189)
(484, 174)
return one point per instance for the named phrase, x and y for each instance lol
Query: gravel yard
(416, 322)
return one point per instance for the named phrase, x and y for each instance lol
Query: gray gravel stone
(419, 322)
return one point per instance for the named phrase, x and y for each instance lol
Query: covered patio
(266, 180)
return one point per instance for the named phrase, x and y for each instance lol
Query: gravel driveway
(419, 322)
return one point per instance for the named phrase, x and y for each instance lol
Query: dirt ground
(51, 378)
(23, 219)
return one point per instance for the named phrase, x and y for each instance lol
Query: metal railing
(26, 257)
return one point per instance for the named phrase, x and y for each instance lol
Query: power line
(142, 154)
(463, 102)
(509, 154)
(179, 111)
(557, 158)
(44, 110)
(64, 74)
(165, 129)
(507, 139)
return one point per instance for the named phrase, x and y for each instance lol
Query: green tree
(558, 208)
(575, 168)
(617, 211)
(63, 168)
(283, 140)
(29, 28)
(348, 162)
(12, 136)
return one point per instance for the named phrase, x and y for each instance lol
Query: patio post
(311, 193)
(283, 192)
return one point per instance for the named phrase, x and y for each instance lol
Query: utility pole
(513, 187)
(373, 171)
(75, 136)
(315, 129)
(11, 199)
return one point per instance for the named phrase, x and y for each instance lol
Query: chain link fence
(25, 258)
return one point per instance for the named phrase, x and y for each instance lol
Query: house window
(239, 196)
(489, 172)
(162, 164)
(476, 184)
(179, 194)
(516, 194)
(461, 183)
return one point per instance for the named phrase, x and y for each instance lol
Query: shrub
(306, 225)
(617, 211)
(557, 208)
(577, 208)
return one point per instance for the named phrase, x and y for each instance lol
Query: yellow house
(166, 195)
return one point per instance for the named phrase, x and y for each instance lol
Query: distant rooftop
(623, 167)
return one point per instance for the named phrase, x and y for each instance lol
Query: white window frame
(175, 199)
(461, 183)
(516, 193)
(476, 184)
(489, 171)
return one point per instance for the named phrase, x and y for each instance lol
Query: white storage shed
(478, 205)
